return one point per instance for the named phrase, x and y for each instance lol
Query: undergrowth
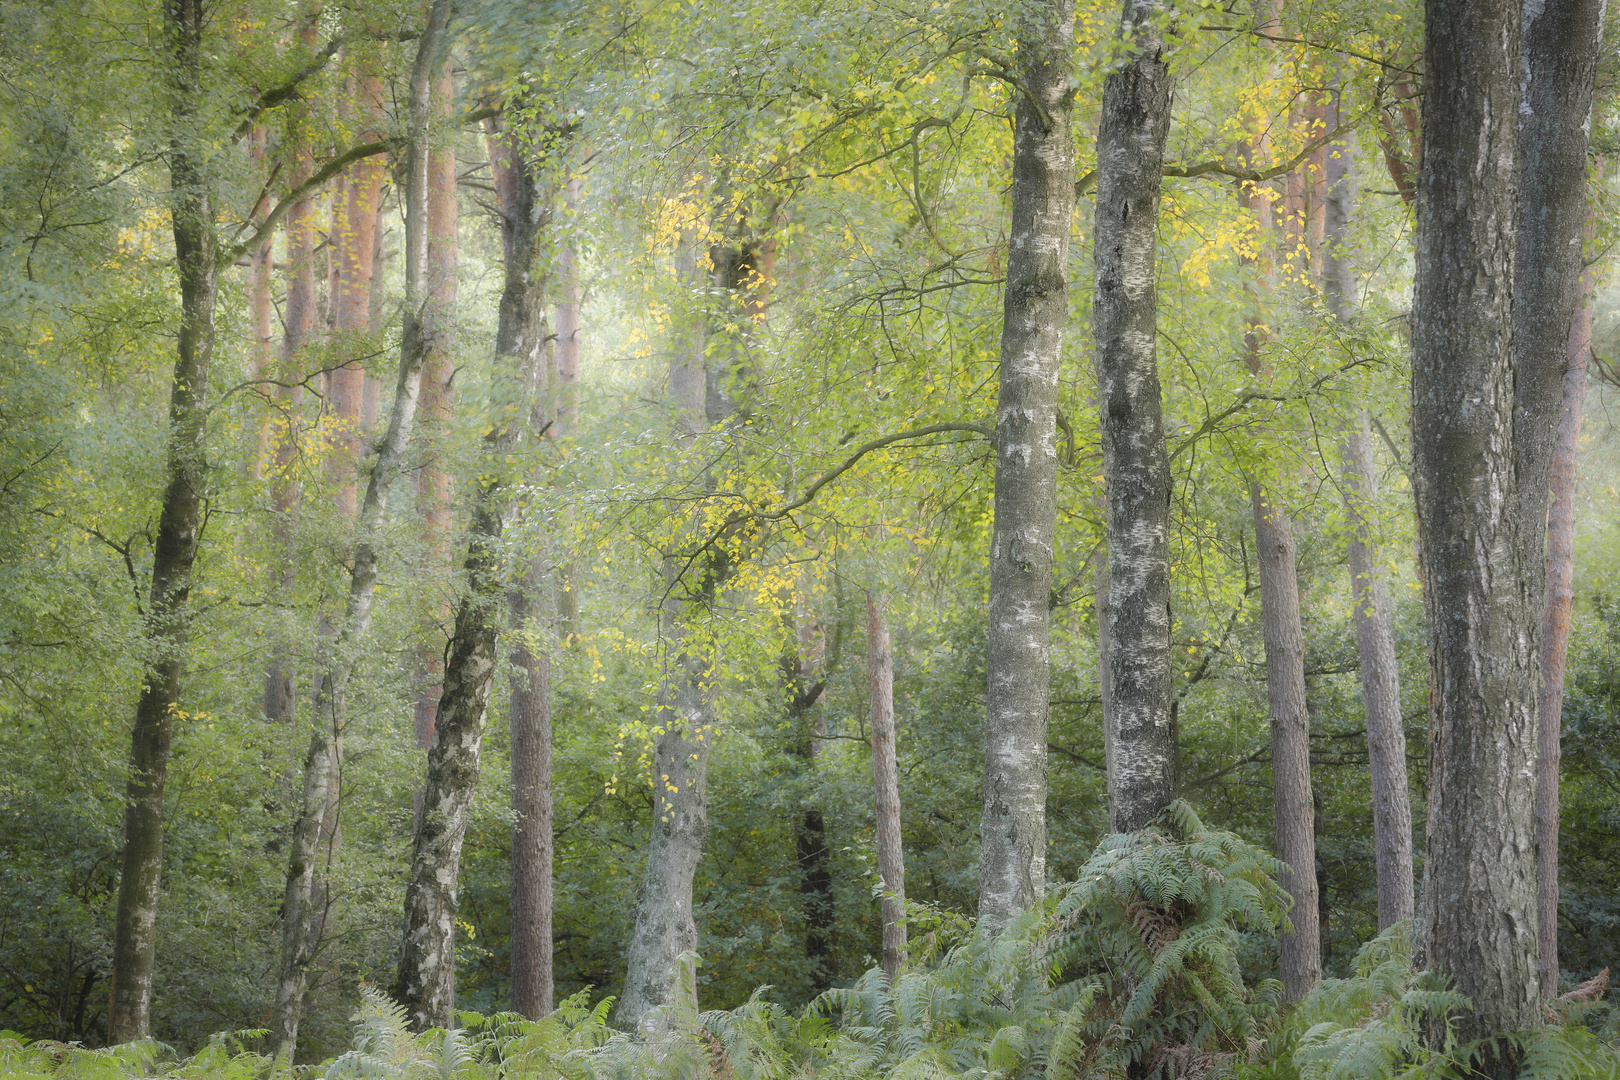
(1128, 973)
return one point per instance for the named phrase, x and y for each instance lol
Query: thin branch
(1254, 176)
(309, 187)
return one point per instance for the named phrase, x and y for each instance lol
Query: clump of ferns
(1149, 931)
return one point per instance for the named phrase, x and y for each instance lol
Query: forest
(923, 540)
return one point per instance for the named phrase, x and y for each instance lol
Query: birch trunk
(886, 789)
(301, 926)
(1560, 47)
(1131, 133)
(1012, 848)
(531, 796)
(129, 1002)
(1371, 611)
(425, 981)
(1479, 888)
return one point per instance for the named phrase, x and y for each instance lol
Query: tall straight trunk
(1550, 342)
(529, 609)
(129, 1002)
(799, 666)
(1012, 841)
(354, 253)
(1371, 611)
(261, 313)
(1131, 133)
(1293, 808)
(433, 483)
(1555, 620)
(532, 947)
(886, 788)
(1105, 695)
(301, 926)
(1479, 882)
(298, 322)
(1300, 948)
(425, 980)
(570, 299)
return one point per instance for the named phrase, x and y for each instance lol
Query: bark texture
(1479, 888)
(1371, 612)
(1560, 46)
(531, 796)
(1131, 133)
(174, 554)
(1555, 619)
(886, 788)
(1300, 948)
(1012, 846)
(301, 925)
(425, 981)
(802, 686)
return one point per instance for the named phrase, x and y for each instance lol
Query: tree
(886, 788)
(1012, 851)
(1479, 891)
(1131, 134)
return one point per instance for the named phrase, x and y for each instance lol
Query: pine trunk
(1551, 341)
(1555, 621)
(886, 789)
(1012, 851)
(1300, 948)
(1131, 133)
(1479, 888)
(425, 981)
(196, 257)
(302, 925)
(1371, 611)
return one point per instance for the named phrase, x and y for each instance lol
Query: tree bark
(569, 302)
(1300, 949)
(174, 554)
(301, 926)
(886, 789)
(425, 979)
(531, 797)
(1371, 611)
(433, 487)
(1012, 847)
(799, 665)
(1560, 46)
(1131, 133)
(1479, 888)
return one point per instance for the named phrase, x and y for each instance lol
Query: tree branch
(308, 187)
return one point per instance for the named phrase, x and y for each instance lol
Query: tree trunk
(1301, 948)
(433, 483)
(531, 797)
(261, 313)
(1371, 611)
(1560, 604)
(301, 926)
(196, 258)
(1131, 133)
(570, 300)
(886, 789)
(425, 981)
(1479, 888)
(1560, 46)
(1012, 848)
(354, 252)
(298, 322)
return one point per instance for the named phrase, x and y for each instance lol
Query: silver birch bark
(1479, 883)
(1131, 134)
(300, 935)
(425, 979)
(1012, 847)
(886, 788)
